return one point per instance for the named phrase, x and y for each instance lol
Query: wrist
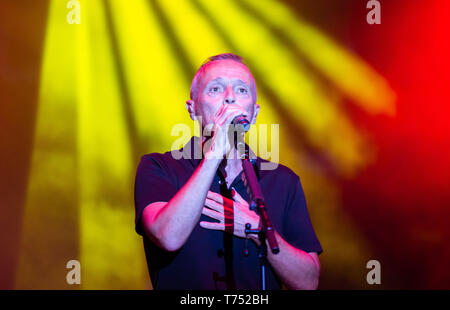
(211, 162)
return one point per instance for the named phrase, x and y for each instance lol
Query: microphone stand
(265, 230)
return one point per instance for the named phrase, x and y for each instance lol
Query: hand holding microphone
(220, 143)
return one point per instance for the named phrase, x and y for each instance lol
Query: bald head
(225, 59)
(222, 80)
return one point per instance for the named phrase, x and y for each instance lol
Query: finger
(218, 117)
(228, 114)
(232, 114)
(213, 214)
(223, 201)
(220, 111)
(213, 226)
(237, 197)
(214, 205)
(215, 197)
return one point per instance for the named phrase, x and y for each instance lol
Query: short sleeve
(152, 184)
(298, 229)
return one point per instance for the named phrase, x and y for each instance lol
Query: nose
(229, 96)
(230, 100)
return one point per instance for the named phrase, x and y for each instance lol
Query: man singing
(192, 212)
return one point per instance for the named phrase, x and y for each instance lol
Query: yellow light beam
(193, 32)
(51, 216)
(327, 127)
(157, 85)
(201, 41)
(349, 73)
(105, 165)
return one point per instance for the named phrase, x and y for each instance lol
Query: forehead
(225, 69)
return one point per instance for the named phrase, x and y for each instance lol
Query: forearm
(174, 223)
(296, 268)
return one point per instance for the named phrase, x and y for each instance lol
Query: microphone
(242, 122)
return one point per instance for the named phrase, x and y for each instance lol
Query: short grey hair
(224, 56)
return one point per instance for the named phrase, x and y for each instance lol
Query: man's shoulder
(156, 156)
(163, 160)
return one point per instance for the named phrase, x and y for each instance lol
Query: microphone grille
(241, 120)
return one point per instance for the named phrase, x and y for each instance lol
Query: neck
(231, 167)
(231, 164)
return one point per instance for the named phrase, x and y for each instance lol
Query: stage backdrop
(88, 87)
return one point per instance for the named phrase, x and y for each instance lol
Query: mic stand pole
(265, 230)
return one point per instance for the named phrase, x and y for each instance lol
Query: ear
(190, 106)
(255, 113)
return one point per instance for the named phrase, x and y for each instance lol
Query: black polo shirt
(213, 259)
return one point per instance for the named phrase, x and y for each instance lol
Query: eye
(214, 89)
(242, 90)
